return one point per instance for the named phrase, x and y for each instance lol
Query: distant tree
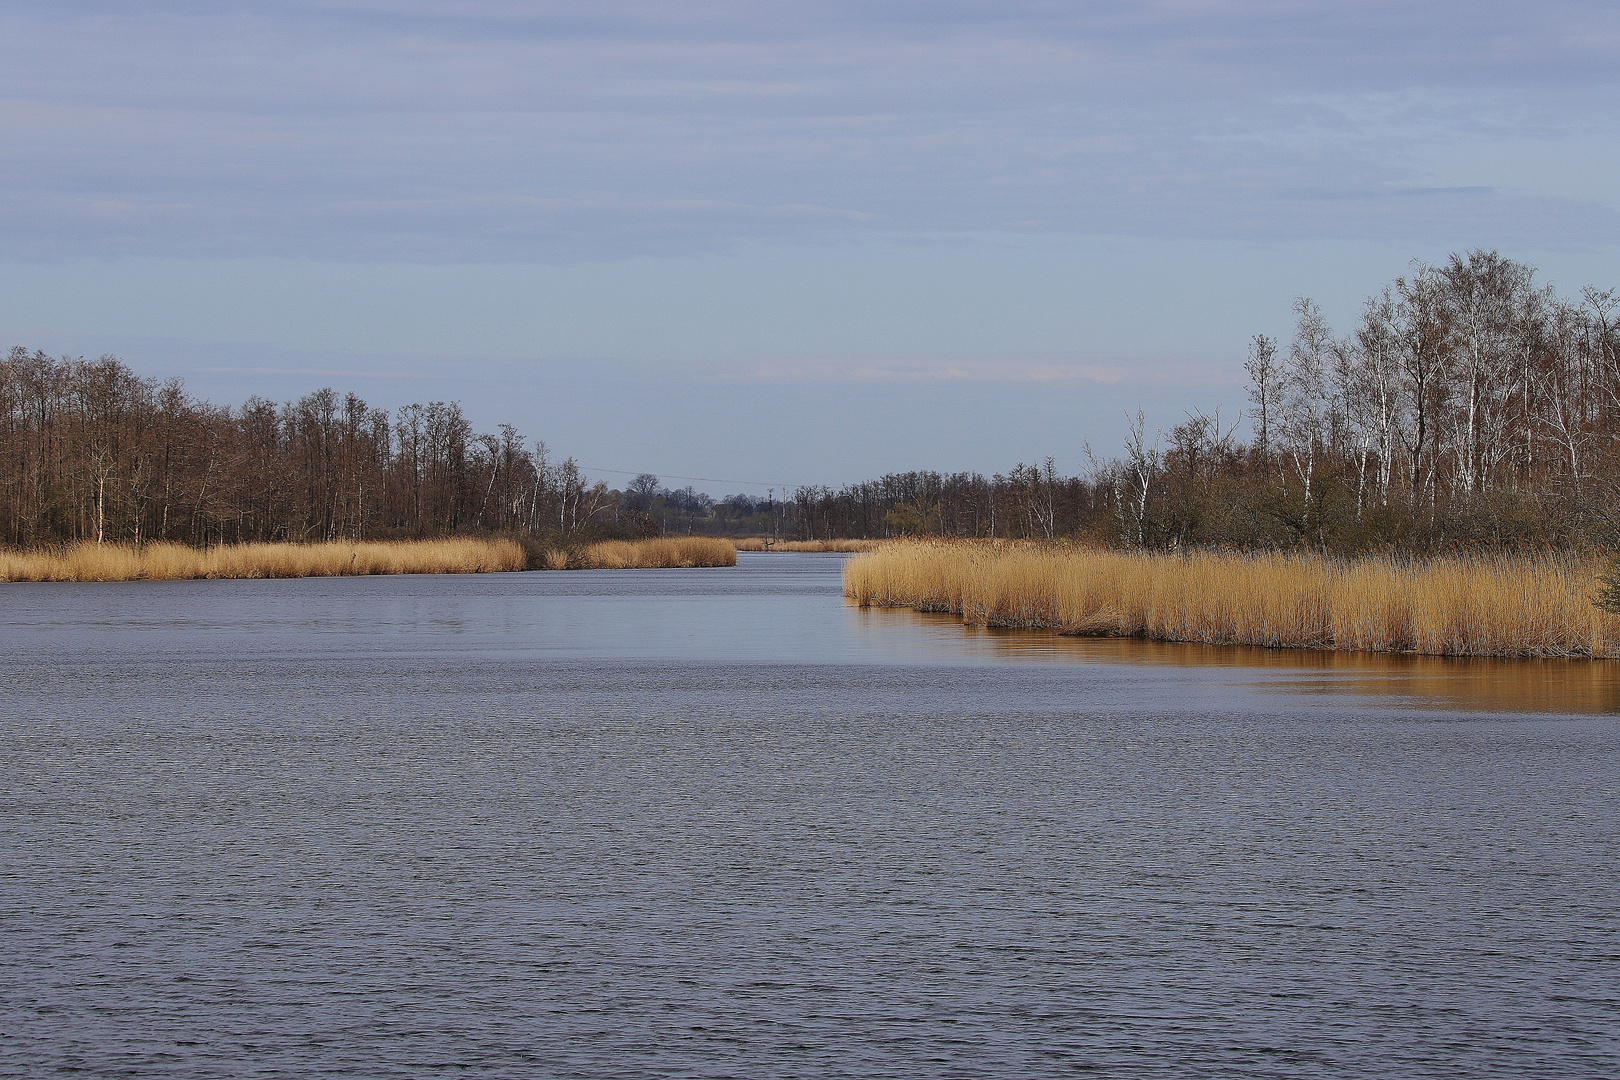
(1265, 388)
(1306, 420)
(642, 491)
(1421, 326)
(1371, 385)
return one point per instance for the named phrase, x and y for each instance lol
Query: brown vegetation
(1500, 605)
(170, 562)
(658, 553)
(763, 543)
(451, 555)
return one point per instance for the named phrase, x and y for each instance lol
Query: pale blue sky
(785, 242)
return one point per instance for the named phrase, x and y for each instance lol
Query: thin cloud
(1113, 371)
(320, 373)
(558, 132)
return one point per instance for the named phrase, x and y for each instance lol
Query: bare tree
(1375, 383)
(1142, 466)
(1480, 291)
(1265, 388)
(1422, 335)
(1306, 419)
(642, 490)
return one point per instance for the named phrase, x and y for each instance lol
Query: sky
(750, 245)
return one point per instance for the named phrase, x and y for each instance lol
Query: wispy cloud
(557, 132)
(318, 373)
(1070, 371)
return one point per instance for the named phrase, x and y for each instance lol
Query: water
(718, 823)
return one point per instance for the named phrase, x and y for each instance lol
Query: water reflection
(772, 610)
(1464, 683)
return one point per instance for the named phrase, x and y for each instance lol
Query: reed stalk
(1483, 605)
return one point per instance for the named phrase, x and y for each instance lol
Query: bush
(1608, 597)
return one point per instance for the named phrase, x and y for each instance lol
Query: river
(719, 823)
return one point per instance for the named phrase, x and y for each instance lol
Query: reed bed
(1523, 605)
(763, 543)
(663, 552)
(172, 562)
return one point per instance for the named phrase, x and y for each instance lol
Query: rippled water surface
(718, 823)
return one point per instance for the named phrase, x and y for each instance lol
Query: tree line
(1467, 406)
(91, 451)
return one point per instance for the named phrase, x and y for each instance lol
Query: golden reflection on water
(1466, 683)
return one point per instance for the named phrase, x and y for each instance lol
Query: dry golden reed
(1522, 605)
(169, 562)
(762, 543)
(660, 553)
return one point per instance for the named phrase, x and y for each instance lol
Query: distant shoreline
(765, 543)
(165, 561)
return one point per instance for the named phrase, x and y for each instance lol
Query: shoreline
(765, 544)
(165, 561)
(1524, 606)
